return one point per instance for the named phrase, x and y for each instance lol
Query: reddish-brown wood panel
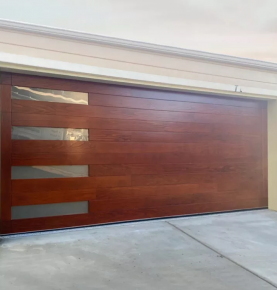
(168, 137)
(48, 108)
(40, 120)
(74, 183)
(150, 104)
(39, 146)
(86, 183)
(5, 194)
(189, 97)
(127, 158)
(57, 196)
(235, 129)
(178, 210)
(159, 201)
(264, 152)
(191, 178)
(141, 136)
(169, 168)
(150, 153)
(227, 149)
(235, 181)
(167, 191)
(5, 99)
(5, 78)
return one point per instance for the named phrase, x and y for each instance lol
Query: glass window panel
(34, 94)
(59, 171)
(45, 210)
(43, 133)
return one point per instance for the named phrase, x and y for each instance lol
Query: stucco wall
(131, 60)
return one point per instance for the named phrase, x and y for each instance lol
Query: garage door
(80, 153)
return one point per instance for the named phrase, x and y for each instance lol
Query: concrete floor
(219, 252)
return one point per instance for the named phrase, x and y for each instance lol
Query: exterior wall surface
(36, 51)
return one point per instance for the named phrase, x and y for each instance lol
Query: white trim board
(27, 64)
(135, 45)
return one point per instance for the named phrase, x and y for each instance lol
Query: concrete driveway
(223, 251)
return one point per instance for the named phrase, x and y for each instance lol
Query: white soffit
(136, 45)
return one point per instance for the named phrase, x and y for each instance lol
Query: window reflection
(59, 171)
(35, 94)
(45, 210)
(43, 133)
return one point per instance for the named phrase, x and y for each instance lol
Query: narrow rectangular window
(45, 133)
(46, 210)
(59, 171)
(46, 95)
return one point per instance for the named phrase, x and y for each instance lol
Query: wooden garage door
(79, 153)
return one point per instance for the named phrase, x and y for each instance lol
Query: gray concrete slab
(146, 255)
(248, 238)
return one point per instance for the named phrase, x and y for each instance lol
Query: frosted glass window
(43, 133)
(34, 94)
(59, 171)
(46, 210)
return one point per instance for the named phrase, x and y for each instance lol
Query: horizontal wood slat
(236, 204)
(232, 129)
(191, 178)
(169, 168)
(168, 137)
(87, 183)
(241, 149)
(39, 120)
(150, 104)
(63, 184)
(57, 196)
(186, 97)
(24, 146)
(31, 159)
(149, 202)
(221, 181)
(166, 191)
(62, 109)
(239, 181)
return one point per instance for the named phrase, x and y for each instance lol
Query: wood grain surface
(5, 194)
(151, 153)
